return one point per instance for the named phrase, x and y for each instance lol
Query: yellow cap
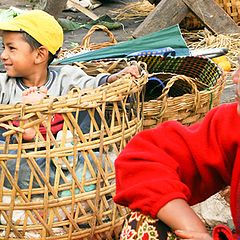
(40, 25)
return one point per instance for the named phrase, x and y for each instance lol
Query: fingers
(133, 70)
(29, 90)
(33, 94)
(236, 76)
(43, 89)
(34, 89)
(192, 235)
(236, 80)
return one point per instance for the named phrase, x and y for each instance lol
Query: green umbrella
(168, 37)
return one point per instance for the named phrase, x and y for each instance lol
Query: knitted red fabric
(222, 232)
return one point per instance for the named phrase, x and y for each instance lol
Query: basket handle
(86, 39)
(164, 95)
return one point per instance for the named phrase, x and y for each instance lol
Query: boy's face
(18, 56)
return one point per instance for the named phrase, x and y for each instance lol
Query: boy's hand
(191, 235)
(133, 70)
(33, 94)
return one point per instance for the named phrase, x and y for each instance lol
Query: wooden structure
(170, 12)
(84, 10)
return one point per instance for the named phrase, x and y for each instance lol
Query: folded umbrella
(168, 37)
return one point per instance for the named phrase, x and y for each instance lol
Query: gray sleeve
(71, 76)
(7, 88)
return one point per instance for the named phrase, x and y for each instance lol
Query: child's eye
(11, 48)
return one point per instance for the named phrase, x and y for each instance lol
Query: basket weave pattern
(231, 7)
(72, 205)
(201, 75)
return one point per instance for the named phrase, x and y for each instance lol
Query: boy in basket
(30, 43)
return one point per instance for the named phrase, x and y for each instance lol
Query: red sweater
(174, 161)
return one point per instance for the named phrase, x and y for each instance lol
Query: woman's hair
(35, 44)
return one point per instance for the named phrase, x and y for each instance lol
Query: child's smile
(17, 56)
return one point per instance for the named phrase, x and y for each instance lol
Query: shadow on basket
(62, 186)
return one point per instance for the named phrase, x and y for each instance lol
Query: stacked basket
(72, 197)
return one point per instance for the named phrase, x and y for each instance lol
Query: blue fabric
(154, 88)
(154, 52)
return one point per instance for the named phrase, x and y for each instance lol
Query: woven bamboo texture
(72, 205)
(93, 68)
(87, 45)
(231, 7)
(192, 87)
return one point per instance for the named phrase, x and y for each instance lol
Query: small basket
(200, 78)
(231, 7)
(77, 203)
(86, 45)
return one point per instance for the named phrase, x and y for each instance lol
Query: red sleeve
(174, 161)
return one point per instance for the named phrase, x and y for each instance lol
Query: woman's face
(18, 57)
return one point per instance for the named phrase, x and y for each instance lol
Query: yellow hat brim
(40, 25)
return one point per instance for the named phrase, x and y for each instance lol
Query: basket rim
(83, 98)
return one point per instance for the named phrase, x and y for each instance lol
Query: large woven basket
(231, 7)
(193, 85)
(77, 203)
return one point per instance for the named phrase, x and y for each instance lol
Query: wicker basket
(73, 197)
(193, 85)
(231, 7)
(86, 45)
(93, 68)
(199, 81)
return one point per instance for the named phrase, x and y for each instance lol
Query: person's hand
(191, 235)
(236, 76)
(133, 70)
(33, 94)
(236, 80)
